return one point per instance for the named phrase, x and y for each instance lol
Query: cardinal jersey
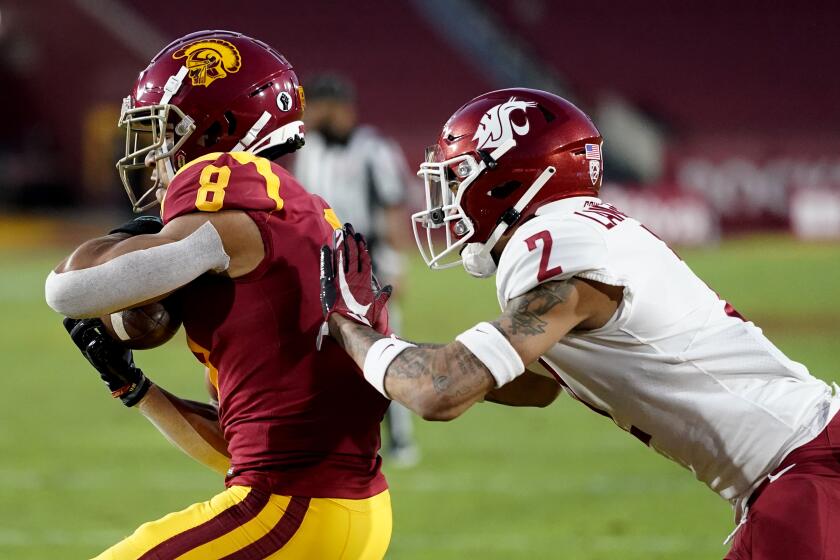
(676, 366)
(297, 421)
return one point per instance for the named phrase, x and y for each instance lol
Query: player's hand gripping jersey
(297, 422)
(676, 366)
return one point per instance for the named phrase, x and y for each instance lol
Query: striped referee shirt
(357, 179)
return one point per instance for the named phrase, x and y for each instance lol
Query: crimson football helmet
(499, 158)
(210, 91)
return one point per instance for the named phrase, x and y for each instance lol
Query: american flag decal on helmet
(593, 151)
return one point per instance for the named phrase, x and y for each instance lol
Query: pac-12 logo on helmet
(209, 60)
(497, 127)
(593, 156)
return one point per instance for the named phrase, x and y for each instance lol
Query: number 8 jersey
(676, 366)
(297, 421)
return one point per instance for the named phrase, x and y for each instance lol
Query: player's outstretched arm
(440, 382)
(436, 381)
(142, 261)
(191, 426)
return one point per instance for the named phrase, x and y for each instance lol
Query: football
(147, 326)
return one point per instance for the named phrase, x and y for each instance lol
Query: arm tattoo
(450, 373)
(356, 339)
(523, 316)
(452, 370)
(441, 382)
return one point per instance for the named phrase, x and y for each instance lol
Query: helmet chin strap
(173, 84)
(476, 256)
(252, 133)
(170, 89)
(511, 216)
(503, 148)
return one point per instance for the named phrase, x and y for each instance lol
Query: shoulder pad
(548, 248)
(229, 181)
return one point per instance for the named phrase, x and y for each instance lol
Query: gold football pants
(243, 523)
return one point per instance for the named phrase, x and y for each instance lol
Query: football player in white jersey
(599, 301)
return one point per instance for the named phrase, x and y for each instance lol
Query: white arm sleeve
(137, 276)
(177, 429)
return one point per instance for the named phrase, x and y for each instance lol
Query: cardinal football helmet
(211, 91)
(499, 158)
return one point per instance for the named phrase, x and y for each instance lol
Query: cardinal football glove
(348, 285)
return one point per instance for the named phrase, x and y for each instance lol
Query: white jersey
(676, 366)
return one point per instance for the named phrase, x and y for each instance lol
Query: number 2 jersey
(676, 366)
(297, 421)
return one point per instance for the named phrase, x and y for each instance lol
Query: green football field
(78, 471)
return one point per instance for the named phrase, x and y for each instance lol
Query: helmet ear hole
(504, 190)
(231, 122)
(211, 135)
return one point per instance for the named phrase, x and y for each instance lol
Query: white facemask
(477, 262)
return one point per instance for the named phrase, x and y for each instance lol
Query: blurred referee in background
(362, 175)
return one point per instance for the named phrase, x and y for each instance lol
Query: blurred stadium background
(722, 132)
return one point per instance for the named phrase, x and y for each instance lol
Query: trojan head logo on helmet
(499, 158)
(209, 60)
(211, 91)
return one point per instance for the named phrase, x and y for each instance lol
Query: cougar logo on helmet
(209, 60)
(497, 126)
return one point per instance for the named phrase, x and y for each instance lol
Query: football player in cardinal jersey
(623, 324)
(295, 431)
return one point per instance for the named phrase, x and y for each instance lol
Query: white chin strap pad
(137, 276)
(477, 261)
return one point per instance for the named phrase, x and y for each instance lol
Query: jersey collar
(567, 205)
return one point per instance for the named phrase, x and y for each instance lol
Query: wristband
(495, 351)
(379, 356)
(133, 393)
